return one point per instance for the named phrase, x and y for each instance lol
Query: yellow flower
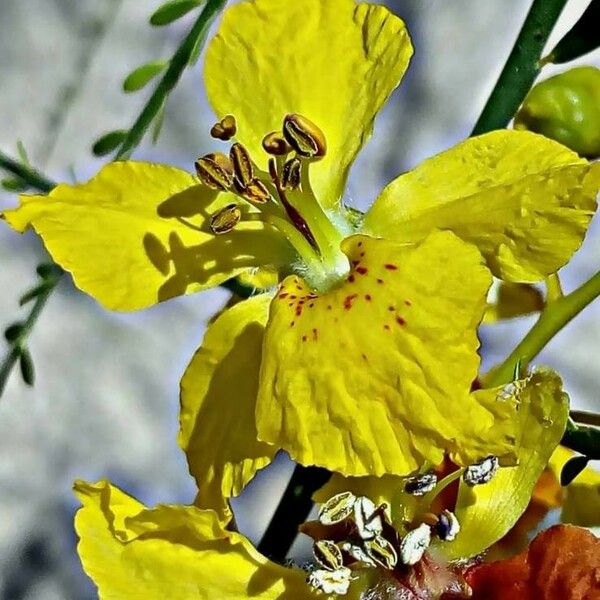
(362, 360)
(374, 531)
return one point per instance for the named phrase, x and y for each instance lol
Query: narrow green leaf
(144, 74)
(13, 185)
(26, 364)
(171, 11)
(22, 153)
(108, 142)
(582, 38)
(48, 271)
(572, 468)
(33, 293)
(196, 50)
(158, 122)
(12, 332)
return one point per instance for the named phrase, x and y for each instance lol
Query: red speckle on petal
(315, 333)
(283, 295)
(355, 263)
(362, 254)
(304, 338)
(311, 305)
(359, 244)
(351, 279)
(293, 297)
(391, 267)
(364, 357)
(386, 327)
(368, 297)
(391, 308)
(329, 307)
(380, 280)
(362, 270)
(292, 323)
(408, 303)
(348, 301)
(400, 321)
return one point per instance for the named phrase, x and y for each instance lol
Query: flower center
(281, 197)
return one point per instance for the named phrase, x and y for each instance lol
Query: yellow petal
(333, 61)
(218, 400)
(487, 512)
(581, 498)
(514, 300)
(373, 377)
(130, 236)
(524, 200)
(175, 552)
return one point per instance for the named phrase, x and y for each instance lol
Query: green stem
(19, 343)
(34, 179)
(582, 439)
(292, 511)
(552, 319)
(178, 63)
(521, 68)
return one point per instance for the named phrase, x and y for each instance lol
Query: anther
(215, 171)
(382, 552)
(290, 176)
(420, 484)
(367, 518)
(328, 555)
(275, 144)
(481, 472)
(337, 508)
(447, 526)
(225, 129)
(226, 219)
(304, 136)
(414, 544)
(242, 164)
(255, 192)
(330, 582)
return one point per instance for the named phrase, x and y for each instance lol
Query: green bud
(566, 108)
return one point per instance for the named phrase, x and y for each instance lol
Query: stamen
(414, 544)
(226, 219)
(420, 484)
(367, 518)
(337, 508)
(481, 472)
(304, 136)
(382, 552)
(275, 144)
(215, 171)
(330, 582)
(225, 129)
(328, 555)
(290, 177)
(242, 164)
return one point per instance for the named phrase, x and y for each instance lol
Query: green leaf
(13, 185)
(12, 332)
(33, 293)
(108, 142)
(144, 74)
(171, 11)
(582, 38)
(49, 271)
(26, 364)
(572, 468)
(196, 50)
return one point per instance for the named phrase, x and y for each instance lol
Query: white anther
(414, 544)
(358, 553)
(448, 526)
(367, 523)
(330, 582)
(337, 508)
(420, 484)
(481, 472)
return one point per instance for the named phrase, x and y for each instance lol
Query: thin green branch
(552, 319)
(521, 68)
(25, 174)
(178, 63)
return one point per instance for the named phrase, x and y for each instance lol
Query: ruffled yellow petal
(175, 552)
(514, 300)
(524, 200)
(581, 498)
(218, 400)
(373, 377)
(486, 512)
(138, 233)
(333, 61)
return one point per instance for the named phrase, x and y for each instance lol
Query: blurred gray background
(105, 402)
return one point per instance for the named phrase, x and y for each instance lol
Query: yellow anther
(290, 177)
(256, 192)
(274, 143)
(382, 552)
(328, 555)
(304, 136)
(225, 129)
(242, 164)
(226, 219)
(215, 171)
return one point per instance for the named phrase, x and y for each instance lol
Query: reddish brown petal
(561, 563)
